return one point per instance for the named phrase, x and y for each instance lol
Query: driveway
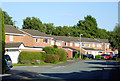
(79, 70)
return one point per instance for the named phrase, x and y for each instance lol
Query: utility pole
(80, 45)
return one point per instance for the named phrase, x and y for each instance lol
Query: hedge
(52, 58)
(98, 57)
(62, 54)
(49, 50)
(31, 57)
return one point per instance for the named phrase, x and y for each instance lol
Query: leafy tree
(115, 39)
(7, 19)
(49, 28)
(33, 23)
(3, 40)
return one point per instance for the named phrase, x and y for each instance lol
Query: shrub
(30, 57)
(79, 55)
(52, 58)
(98, 57)
(62, 54)
(76, 55)
(55, 46)
(49, 50)
(43, 56)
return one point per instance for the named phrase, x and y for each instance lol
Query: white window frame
(71, 44)
(98, 45)
(47, 40)
(89, 45)
(83, 44)
(76, 44)
(11, 37)
(93, 45)
(52, 42)
(37, 40)
(58, 43)
(107, 45)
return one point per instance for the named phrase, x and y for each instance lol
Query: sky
(64, 13)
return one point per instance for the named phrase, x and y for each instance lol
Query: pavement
(99, 70)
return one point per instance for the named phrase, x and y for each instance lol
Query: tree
(33, 23)
(49, 28)
(115, 39)
(3, 40)
(7, 19)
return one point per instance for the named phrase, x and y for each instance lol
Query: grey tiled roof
(12, 29)
(35, 32)
(74, 39)
(10, 45)
(93, 49)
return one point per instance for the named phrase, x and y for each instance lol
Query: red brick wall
(16, 38)
(31, 41)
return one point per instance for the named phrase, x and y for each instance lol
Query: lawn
(36, 64)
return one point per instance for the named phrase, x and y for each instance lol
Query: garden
(48, 56)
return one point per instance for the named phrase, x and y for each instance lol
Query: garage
(14, 55)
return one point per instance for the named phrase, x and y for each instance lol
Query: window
(70, 43)
(98, 45)
(76, 44)
(37, 40)
(52, 42)
(58, 43)
(83, 44)
(107, 45)
(46, 40)
(65, 43)
(89, 45)
(11, 37)
(93, 45)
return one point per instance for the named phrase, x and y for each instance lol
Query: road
(72, 70)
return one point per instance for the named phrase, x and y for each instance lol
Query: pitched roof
(93, 49)
(10, 45)
(35, 32)
(12, 29)
(74, 39)
(104, 40)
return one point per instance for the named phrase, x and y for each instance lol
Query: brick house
(33, 40)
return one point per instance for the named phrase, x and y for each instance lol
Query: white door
(14, 55)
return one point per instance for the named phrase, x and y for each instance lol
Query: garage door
(14, 56)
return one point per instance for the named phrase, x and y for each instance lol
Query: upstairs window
(98, 45)
(93, 45)
(89, 45)
(37, 40)
(76, 44)
(46, 40)
(83, 44)
(11, 37)
(70, 43)
(65, 43)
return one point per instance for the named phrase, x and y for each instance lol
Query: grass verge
(36, 64)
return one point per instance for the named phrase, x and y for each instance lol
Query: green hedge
(49, 50)
(31, 57)
(98, 57)
(55, 46)
(52, 58)
(62, 54)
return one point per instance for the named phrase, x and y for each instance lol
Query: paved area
(78, 70)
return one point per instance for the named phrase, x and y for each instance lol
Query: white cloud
(60, 0)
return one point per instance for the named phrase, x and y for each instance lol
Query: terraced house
(18, 40)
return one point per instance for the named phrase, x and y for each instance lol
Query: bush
(79, 55)
(62, 54)
(98, 57)
(52, 58)
(30, 57)
(55, 46)
(49, 50)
